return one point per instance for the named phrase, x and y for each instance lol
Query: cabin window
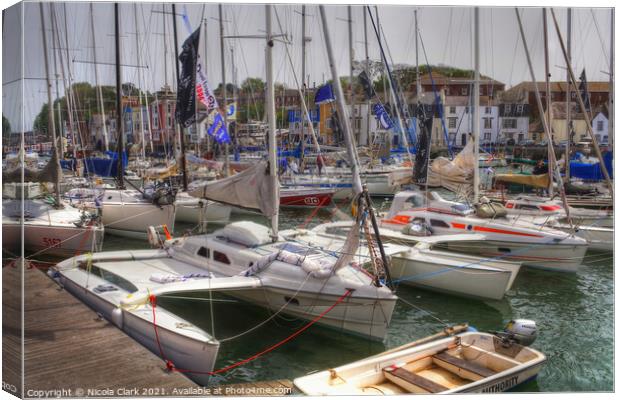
(204, 252)
(526, 207)
(109, 276)
(439, 223)
(220, 257)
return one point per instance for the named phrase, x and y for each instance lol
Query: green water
(574, 313)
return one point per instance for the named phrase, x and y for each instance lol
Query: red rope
(314, 212)
(171, 366)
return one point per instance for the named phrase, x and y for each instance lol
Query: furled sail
(250, 188)
(455, 175)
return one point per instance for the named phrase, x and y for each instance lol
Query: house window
(487, 123)
(507, 109)
(519, 108)
(220, 257)
(509, 123)
(467, 110)
(487, 136)
(464, 91)
(451, 123)
(452, 110)
(599, 126)
(487, 110)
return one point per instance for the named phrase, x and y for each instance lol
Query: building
(458, 86)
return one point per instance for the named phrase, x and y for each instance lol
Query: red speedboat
(294, 196)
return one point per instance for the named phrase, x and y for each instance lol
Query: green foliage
(6, 126)
(253, 85)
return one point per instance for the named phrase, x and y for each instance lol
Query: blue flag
(324, 94)
(218, 129)
(382, 115)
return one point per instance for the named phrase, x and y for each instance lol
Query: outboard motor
(521, 331)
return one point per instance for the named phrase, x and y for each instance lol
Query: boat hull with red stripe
(304, 197)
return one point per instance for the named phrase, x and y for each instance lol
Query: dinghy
(466, 362)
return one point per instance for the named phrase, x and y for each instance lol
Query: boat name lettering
(502, 386)
(51, 242)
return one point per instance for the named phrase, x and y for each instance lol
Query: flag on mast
(186, 95)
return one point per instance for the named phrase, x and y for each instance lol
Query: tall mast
(541, 109)
(135, 12)
(303, 86)
(418, 83)
(610, 127)
(368, 114)
(99, 92)
(548, 101)
(51, 125)
(178, 126)
(56, 76)
(163, 15)
(341, 107)
(71, 98)
(568, 96)
(204, 22)
(476, 135)
(582, 107)
(271, 119)
(351, 56)
(225, 98)
(119, 117)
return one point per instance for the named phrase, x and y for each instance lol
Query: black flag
(369, 91)
(186, 86)
(423, 145)
(583, 89)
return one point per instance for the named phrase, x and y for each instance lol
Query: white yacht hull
(132, 219)
(58, 241)
(453, 274)
(190, 212)
(181, 350)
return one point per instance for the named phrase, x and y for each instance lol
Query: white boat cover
(249, 189)
(456, 175)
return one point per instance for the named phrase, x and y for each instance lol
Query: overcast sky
(447, 36)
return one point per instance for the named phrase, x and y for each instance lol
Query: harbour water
(574, 313)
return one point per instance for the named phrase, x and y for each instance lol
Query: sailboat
(129, 212)
(50, 225)
(244, 260)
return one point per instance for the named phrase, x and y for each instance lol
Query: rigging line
(429, 313)
(600, 38)
(446, 44)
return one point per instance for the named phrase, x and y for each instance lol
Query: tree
(253, 85)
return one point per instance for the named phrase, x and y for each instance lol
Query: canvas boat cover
(541, 181)
(250, 188)
(455, 175)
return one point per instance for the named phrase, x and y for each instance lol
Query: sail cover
(455, 175)
(250, 188)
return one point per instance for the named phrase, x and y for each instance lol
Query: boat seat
(464, 364)
(411, 381)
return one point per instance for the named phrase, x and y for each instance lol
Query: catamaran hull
(132, 219)
(57, 241)
(180, 350)
(463, 278)
(554, 257)
(364, 317)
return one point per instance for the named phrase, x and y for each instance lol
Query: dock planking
(69, 351)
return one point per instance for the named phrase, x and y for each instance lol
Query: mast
(303, 87)
(341, 107)
(541, 110)
(368, 113)
(225, 98)
(548, 101)
(351, 56)
(56, 76)
(350, 141)
(135, 12)
(271, 119)
(476, 103)
(204, 22)
(51, 125)
(99, 92)
(610, 126)
(70, 97)
(582, 107)
(119, 118)
(418, 83)
(568, 96)
(178, 126)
